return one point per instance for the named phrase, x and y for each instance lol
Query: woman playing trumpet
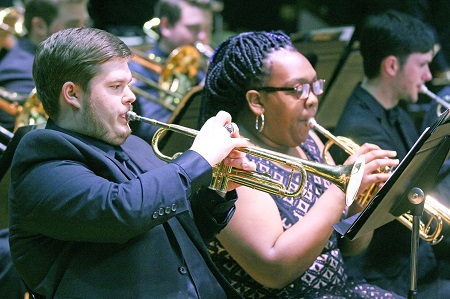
(276, 246)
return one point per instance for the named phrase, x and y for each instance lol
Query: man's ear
(254, 102)
(71, 94)
(391, 65)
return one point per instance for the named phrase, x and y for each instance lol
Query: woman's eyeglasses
(302, 90)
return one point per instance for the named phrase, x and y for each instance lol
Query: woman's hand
(378, 164)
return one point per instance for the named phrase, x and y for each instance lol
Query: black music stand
(405, 190)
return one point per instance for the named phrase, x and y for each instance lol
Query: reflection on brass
(430, 231)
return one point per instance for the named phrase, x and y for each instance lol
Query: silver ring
(230, 128)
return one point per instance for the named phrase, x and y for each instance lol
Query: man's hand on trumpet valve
(376, 160)
(217, 140)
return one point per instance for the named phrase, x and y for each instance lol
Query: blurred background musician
(397, 50)
(41, 19)
(434, 13)
(276, 246)
(11, 26)
(182, 22)
(11, 285)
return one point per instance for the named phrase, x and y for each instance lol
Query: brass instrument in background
(149, 28)
(445, 102)
(31, 113)
(5, 135)
(350, 148)
(10, 101)
(177, 74)
(11, 21)
(26, 108)
(430, 231)
(348, 177)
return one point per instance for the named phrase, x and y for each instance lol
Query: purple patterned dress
(326, 278)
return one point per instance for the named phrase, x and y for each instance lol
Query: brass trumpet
(346, 177)
(442, 102)
(430, 231)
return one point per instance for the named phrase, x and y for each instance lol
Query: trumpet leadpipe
(439, 100)
(348, 146)
(132, 116)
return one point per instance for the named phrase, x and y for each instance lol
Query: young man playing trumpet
(397, 50)
(90, 226)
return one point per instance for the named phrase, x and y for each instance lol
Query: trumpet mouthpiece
(423, 89)
(312, 122)
(131, 115)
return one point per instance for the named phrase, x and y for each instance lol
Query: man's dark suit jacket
(80, 226)
(364, 120)
(388, 257)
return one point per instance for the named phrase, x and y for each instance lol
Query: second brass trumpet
(346, 177)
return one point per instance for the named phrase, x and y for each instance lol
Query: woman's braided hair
(238, 65)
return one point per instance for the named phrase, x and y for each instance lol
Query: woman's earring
(257, 127)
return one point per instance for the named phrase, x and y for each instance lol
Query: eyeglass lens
(317, 89)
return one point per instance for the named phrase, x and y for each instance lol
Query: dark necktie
(394, 120)
(123, 158)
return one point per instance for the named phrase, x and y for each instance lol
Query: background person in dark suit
(89, 226)
(182, 23)
(41, 19)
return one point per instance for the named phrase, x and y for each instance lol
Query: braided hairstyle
(238, 65)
